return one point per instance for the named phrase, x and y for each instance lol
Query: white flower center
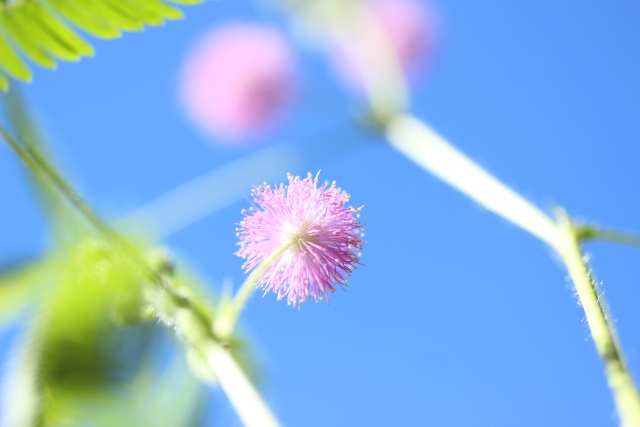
(297, 235)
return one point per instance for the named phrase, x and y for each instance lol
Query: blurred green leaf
(43, 30)
(87, 338)
(11, 62)
(21, 287)
(157, 397)
(90, 356)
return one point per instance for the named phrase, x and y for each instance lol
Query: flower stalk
(230, 311)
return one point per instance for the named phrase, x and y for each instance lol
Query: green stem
(590, 232)
(420, 144)
(432, 152)
(39, 166)
(226, 322)
(43, 170)
(196, 332)
(242, 394)
(22, 120)
(602, 331)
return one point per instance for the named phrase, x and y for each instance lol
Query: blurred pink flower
(324, 236)
(408, 25)
(237, 80)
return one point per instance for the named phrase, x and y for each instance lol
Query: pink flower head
(408, 25)
(237, 80)
(323, 235)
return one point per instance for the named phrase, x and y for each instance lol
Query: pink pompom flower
(237, 80)
(409, 27)
(322, 233)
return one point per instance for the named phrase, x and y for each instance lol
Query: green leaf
(43, 30)
(88, 357)
(21, 287)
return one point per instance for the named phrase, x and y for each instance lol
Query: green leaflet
(16, 26)
(113, 15)
(60, 35)
(11, 62)
(187, 2)
(43, 30)
(162, 9)
(84, 19)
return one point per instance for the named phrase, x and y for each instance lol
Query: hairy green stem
(197, 333)
(428, 149)
(423, 146)
(225, 323)
(602, 331)
(432, 152)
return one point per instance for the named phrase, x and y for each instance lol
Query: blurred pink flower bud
(237, 80)
(409, 27)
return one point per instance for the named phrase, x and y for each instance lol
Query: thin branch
(586, 232)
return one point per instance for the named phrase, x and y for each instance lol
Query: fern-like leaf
(44, 31)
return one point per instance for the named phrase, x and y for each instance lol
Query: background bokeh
(458, 318)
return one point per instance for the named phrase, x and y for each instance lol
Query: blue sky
(458, 318)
